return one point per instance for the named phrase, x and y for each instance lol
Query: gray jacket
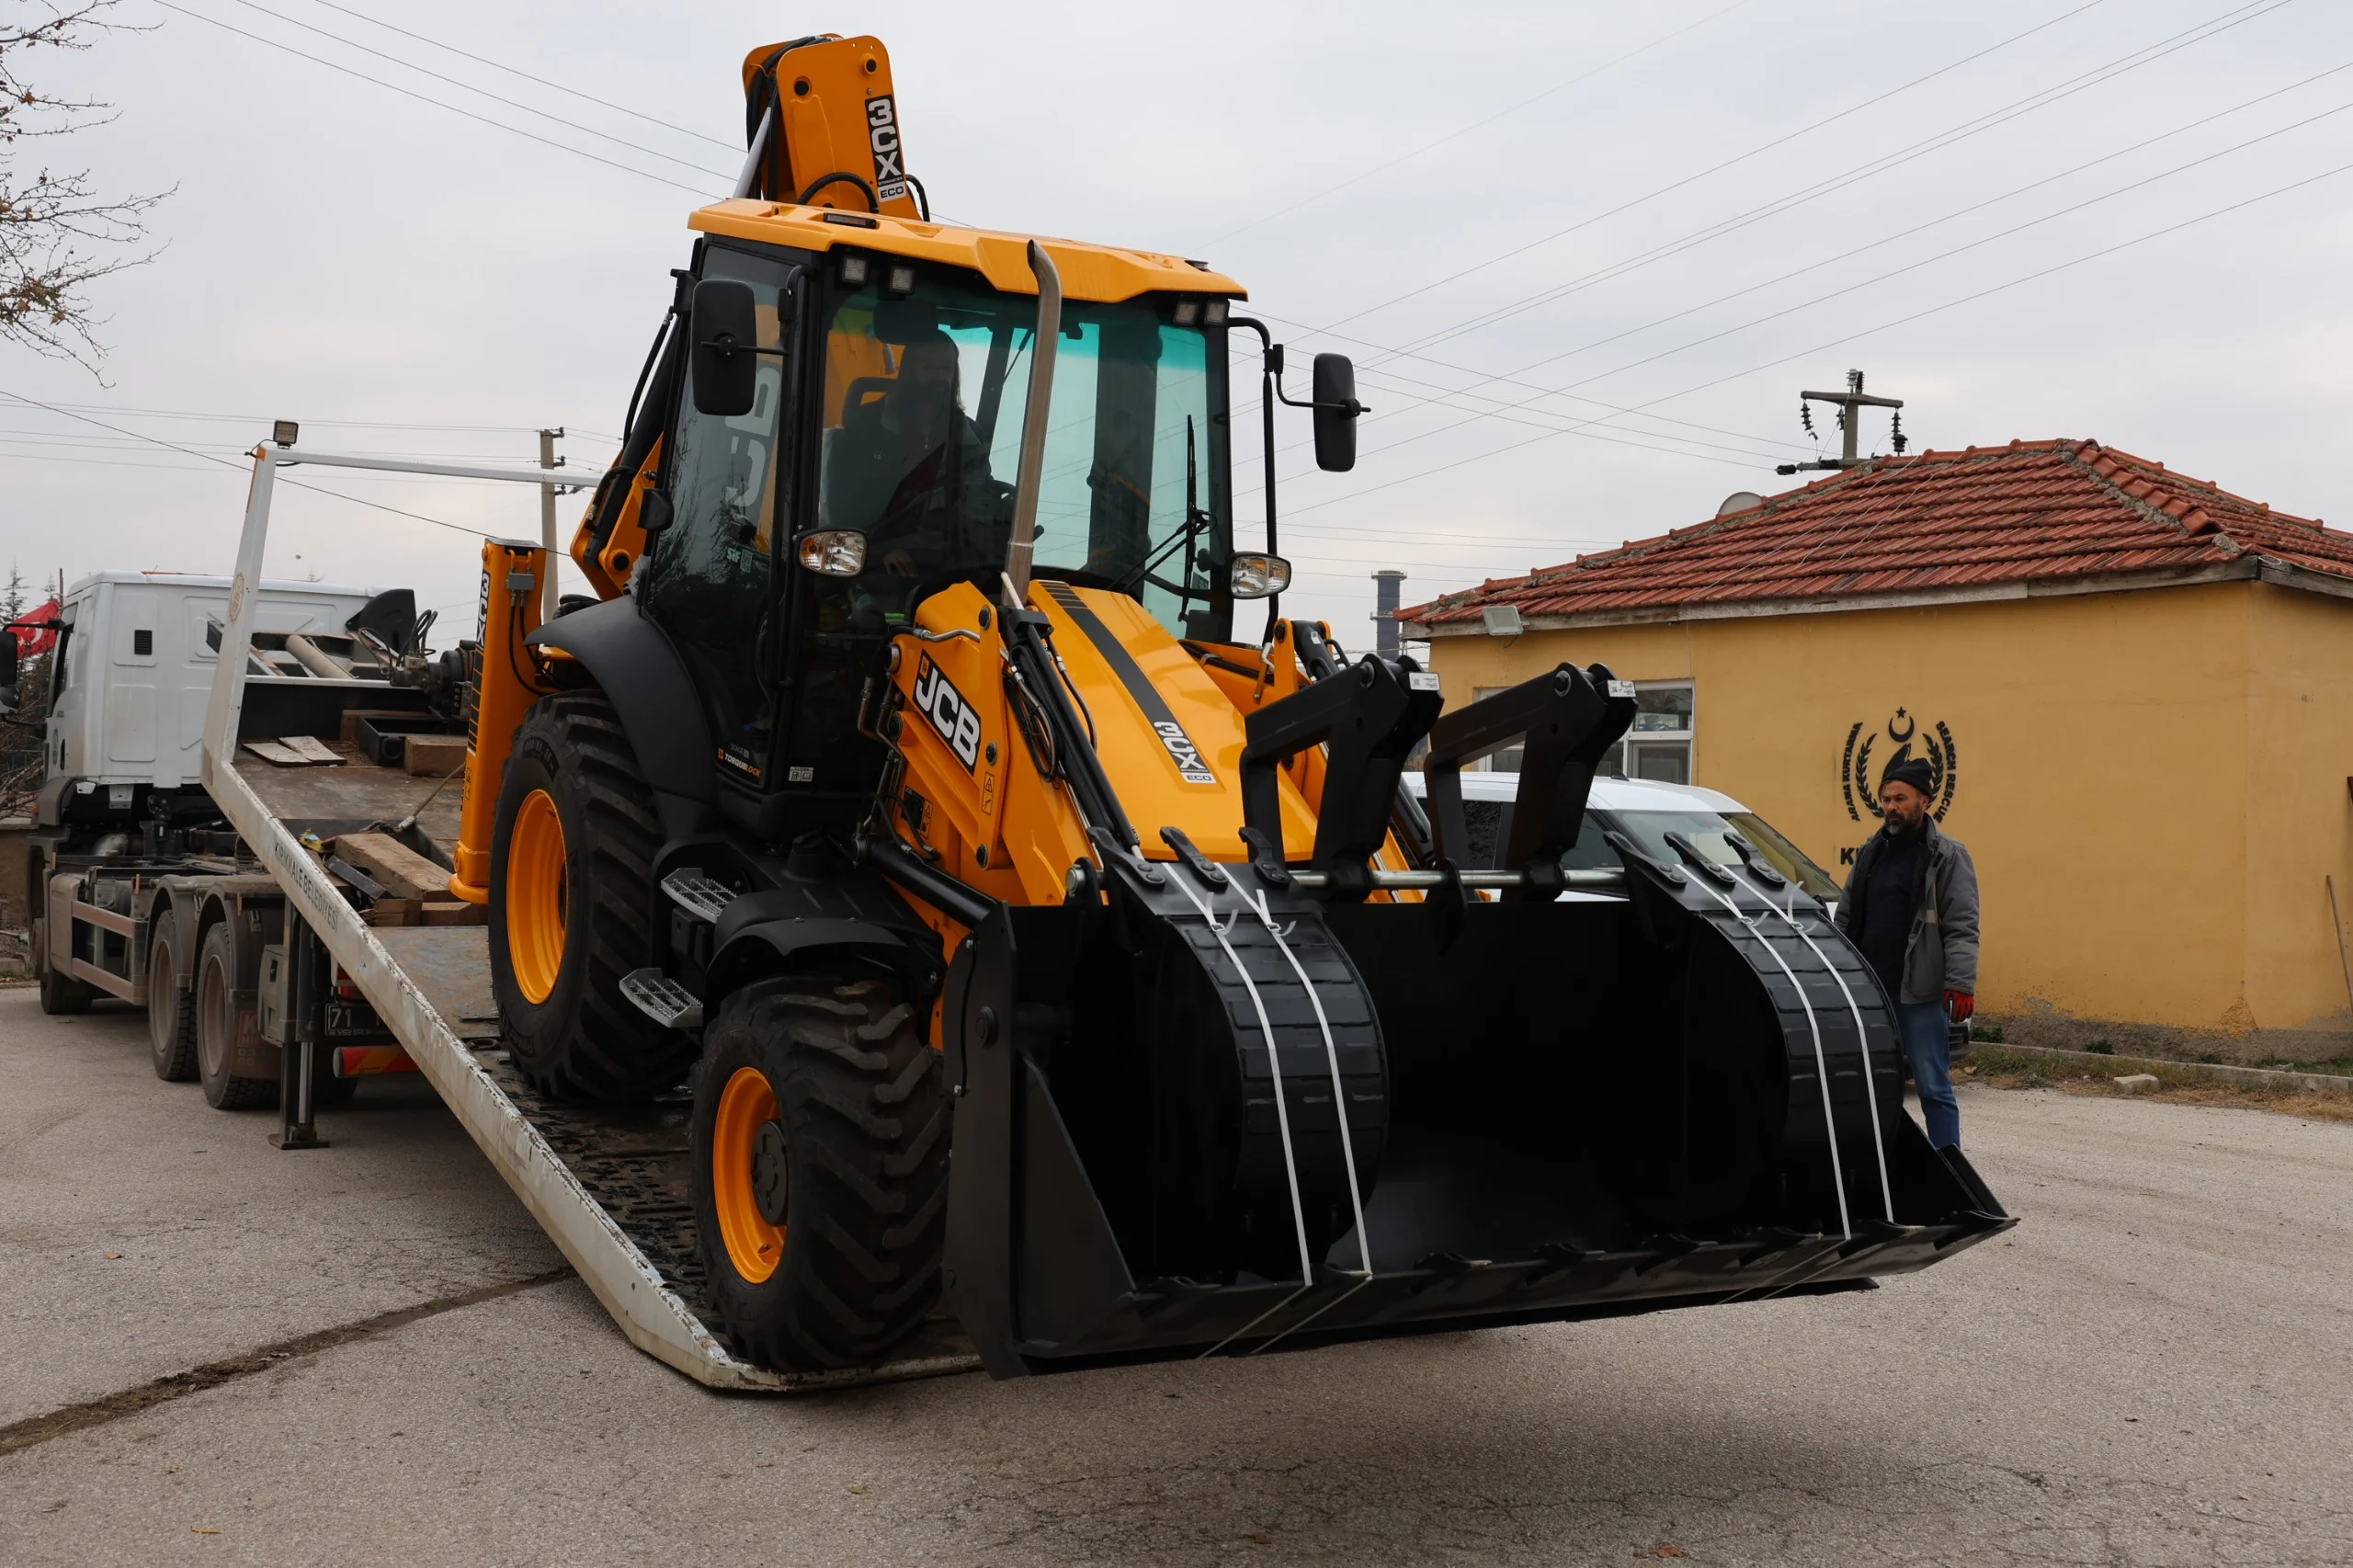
(1941, 953)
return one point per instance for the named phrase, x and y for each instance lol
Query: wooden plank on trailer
(404, 873)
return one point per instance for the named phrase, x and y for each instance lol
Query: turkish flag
(36, 631)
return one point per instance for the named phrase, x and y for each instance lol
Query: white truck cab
(134, 673)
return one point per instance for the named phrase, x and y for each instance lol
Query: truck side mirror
(7, 670)
(1335, 413)
(725, 323)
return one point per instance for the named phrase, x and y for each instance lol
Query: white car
(1646, 812)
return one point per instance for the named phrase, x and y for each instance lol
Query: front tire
(819, 1171)
(571, 906)
(171, 1020)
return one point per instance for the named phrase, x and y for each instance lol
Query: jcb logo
(949, 713)
(1187, 757)
(882, 134)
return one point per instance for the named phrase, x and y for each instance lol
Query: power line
(1476, 125)
(328, 424)
(437, 103)
(525, 75)
(2109, 195)
(1732, 162)
(2132, 60)
(469, 87)
(225, 462)
(1542, 392)
(1867, 332)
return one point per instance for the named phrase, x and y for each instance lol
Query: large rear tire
(571, 907)
(215, 1006)
(819, 1171)
(171, 1020)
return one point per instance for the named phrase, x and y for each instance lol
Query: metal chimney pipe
(1386, 584)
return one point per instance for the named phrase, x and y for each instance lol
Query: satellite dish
(1739, 501)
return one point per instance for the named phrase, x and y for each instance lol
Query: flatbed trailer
(607, 1183)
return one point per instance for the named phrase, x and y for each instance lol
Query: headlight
(834, 552)
(1258, 577)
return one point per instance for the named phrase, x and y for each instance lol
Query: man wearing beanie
(1911, 907)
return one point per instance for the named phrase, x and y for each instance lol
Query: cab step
(697, 895)
(663, 999)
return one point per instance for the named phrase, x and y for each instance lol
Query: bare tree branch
(58, 234)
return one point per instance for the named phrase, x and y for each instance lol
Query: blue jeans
(1926, 1031)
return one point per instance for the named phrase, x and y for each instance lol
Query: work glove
(1959, 1005)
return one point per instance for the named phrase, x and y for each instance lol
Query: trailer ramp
(608, 1184)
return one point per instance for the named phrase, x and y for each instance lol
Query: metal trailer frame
(656, 1319)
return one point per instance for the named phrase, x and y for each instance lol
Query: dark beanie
(1912, 770)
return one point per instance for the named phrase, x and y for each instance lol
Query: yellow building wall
(2102, 772)
(2300, 824)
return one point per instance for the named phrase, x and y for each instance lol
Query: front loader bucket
(1557, 1110)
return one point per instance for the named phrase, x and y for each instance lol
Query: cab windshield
(924, 401)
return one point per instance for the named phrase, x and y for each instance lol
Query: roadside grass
(2000, 1069)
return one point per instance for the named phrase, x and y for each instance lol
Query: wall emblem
(1870, 754)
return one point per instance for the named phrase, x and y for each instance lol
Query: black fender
(642, 675)
(753, 942)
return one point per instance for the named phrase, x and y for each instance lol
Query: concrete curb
(2171, 1072)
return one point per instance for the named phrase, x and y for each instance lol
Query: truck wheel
(819, 1171)
(59, 996)
(216, 1026)
(571, 907)
(171, 1022)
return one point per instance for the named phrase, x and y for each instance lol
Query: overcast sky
(1686, 209)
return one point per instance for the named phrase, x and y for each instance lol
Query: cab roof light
(901, 279)
(1214, 312)
(1188, 313)
(855, 270)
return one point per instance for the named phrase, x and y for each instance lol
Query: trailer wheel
(171, 1021)
(571, 907)
(819, 1171)
(58, 995)
(216, 1026)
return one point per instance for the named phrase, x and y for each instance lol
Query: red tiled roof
(2032, 511)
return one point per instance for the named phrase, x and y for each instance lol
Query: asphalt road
(2152, 1369)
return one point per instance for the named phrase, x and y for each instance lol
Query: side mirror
(1335, 413)
(1258, 576)
(7, 656)
(726, 326)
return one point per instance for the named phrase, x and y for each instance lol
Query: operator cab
(881, 431)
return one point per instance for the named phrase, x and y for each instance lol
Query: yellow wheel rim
(536, 895)
(753, 1246)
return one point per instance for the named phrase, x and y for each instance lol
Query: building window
(1658, 747)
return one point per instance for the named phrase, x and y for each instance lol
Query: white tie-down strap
(1282, 1114)
(1340, 1108)
(1862, 1043)
(1820, 1062)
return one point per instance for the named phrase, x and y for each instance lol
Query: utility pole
(548, 438)
(1849, 402)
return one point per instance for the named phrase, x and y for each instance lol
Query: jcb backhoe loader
(1034, 934)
